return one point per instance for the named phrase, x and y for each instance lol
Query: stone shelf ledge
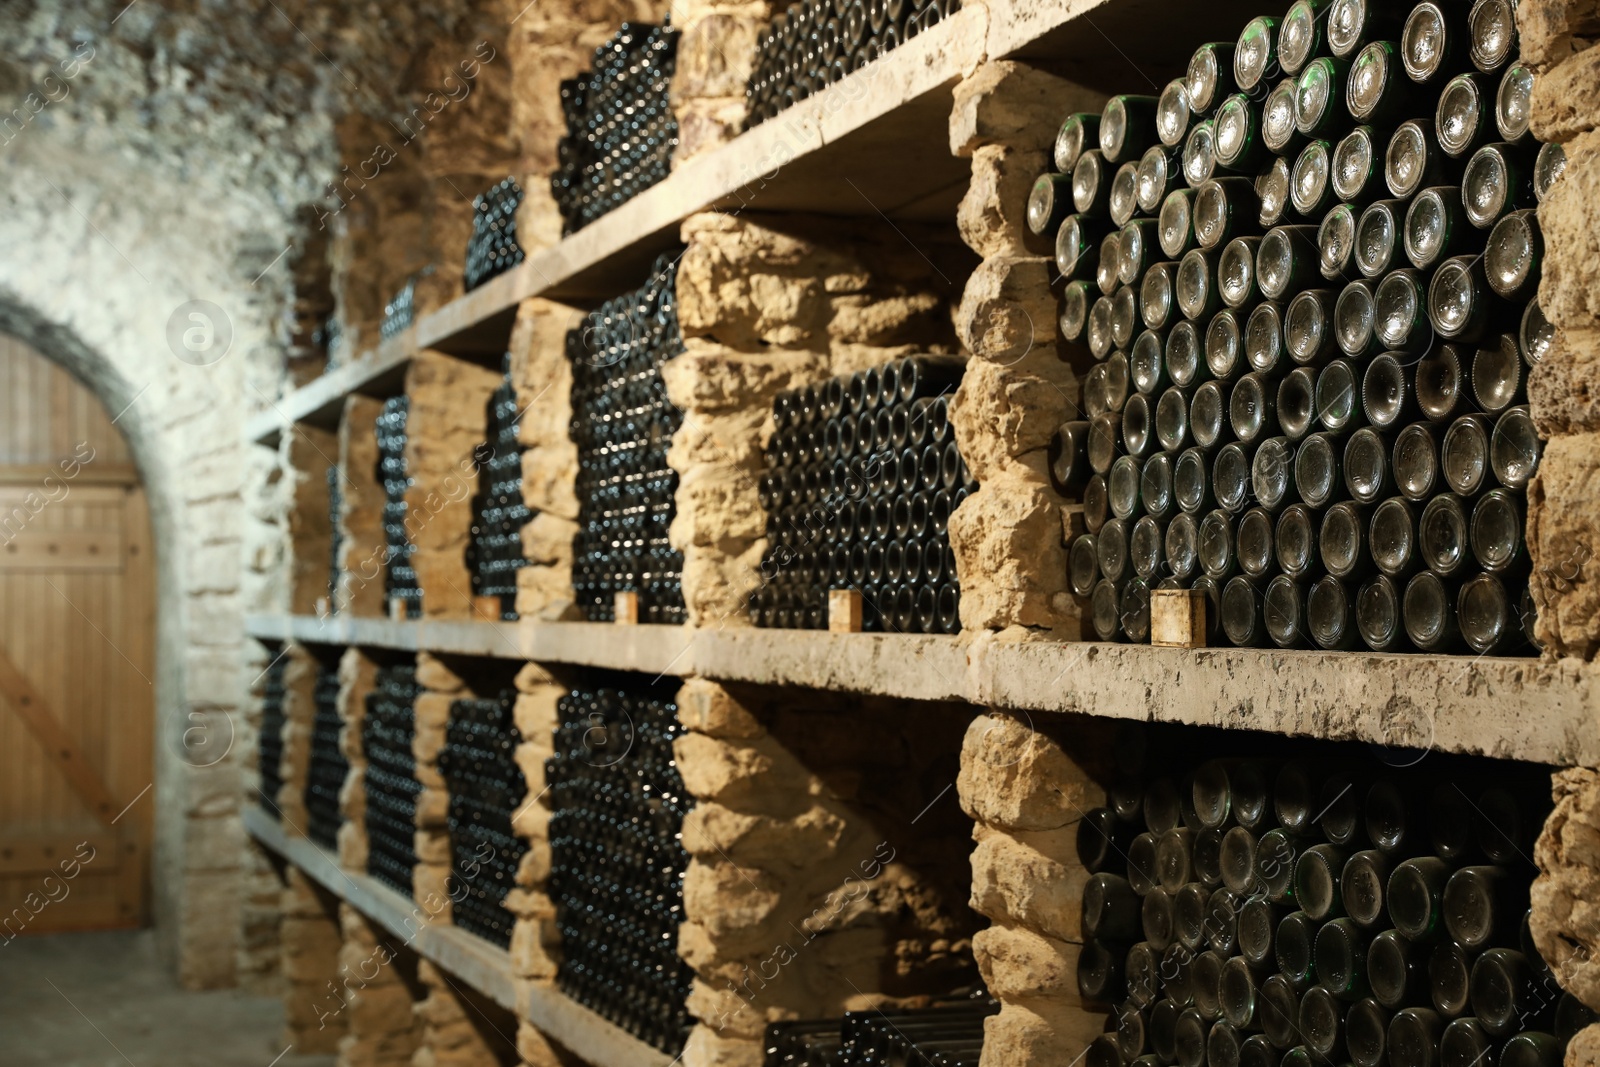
(484, 967)
(1512, 708)
(493, 640)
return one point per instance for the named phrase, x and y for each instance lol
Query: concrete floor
(105, 1000)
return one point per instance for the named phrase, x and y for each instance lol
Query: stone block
(707, 707)
(1562, 519)
(1010, 558)
(1550, 31)
(1566, 894)
(1016, 884)
(1016, 777)
(1007, 309)
(992, 217)
(1009, 102)
(1038, 1034)
(1570, 273)
(1017, 963)
(1563, 396)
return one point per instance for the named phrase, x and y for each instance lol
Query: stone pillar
(299, 714)
(446, 423)
(311, 453)
(768, 303)
(1563, 517)
(437, 686)
(357, 678)
(378, 987)
(716, 55)
(456, 1028)
(363, 553)
(260, 960)
(549, 43)
(542, 378)
(1025, 794)
(1565, 923)
(314, 1016)
(535, 941)
(821, 862)
(1021, 383)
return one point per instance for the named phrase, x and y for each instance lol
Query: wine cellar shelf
(889, 121)
(1506, 707)
(471, 960)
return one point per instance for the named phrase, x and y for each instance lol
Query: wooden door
(77, 618)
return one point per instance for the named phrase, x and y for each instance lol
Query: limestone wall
(1022, 381)
(357, 677)
(766, 303)
(363, 552)
(716, 54)
(1563, 522)
(445, 424)
(1025, 788)
(535, 940)
(542, 378)
(437, 685)
(378, 990)
(314, 1020)
(827, 860)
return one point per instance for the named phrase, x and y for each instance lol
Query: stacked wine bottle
(621, 129)
(1326, 909)
(492, 249)
(486, 788)
(617, 857)
(862, 474)
(269, 748)
(815, 43)
(400, 313)
(335, 536)
(400, 578)
(1306, 272)
(391, 782)
(622, 423)
(494, 555)
(328, 767)
(943, 1035)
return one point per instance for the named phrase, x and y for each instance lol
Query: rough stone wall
(716, 55)
(1025, 791)
(299, 713)
(445, 424)
(438, 686)
(311, 453)
(549, 43)
(363, 551)
(357, 677)
(542, 378)
(457, 1028)
(768, 303)
(1563, 533)
(825, 875)
(1020, 384)
(535, 940)
(378, 989)
(311, 942)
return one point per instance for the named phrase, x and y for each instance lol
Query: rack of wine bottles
(486, 788)
(494, 555)
(1290, 904)
(1306, 273)
(328, 767)
(948, 1034)
(617, 857)
(815, 43)
(862, 475)
(400, 578)
(399, 313)
(621, 129)
(335, 535)
(391, 783)
(269, 747)
(622, 423)
(492, 248)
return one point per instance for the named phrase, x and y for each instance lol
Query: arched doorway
(77, 655)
